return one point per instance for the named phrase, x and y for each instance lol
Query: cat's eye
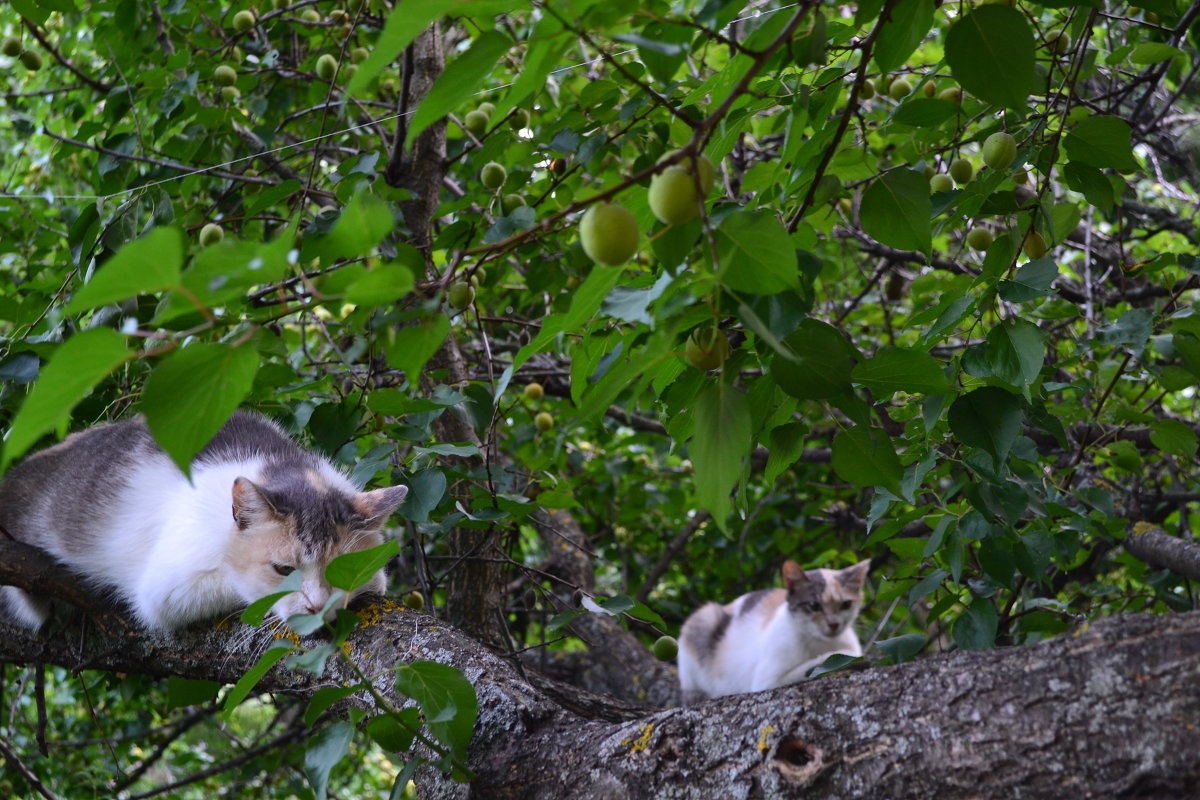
(845, 604)
(813, 607)
(284, 569)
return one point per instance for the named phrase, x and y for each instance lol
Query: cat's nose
(833, 627)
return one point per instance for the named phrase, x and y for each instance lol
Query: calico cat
(112, 506)
(771, 637)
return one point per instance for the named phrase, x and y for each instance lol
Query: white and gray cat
(771, 637)
(111, 505)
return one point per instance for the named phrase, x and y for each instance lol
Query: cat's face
(827, 600)
(279, 535)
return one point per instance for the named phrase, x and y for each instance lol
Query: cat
(771, 637)
(110, 504)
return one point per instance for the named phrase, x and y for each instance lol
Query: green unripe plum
(979, 239)
(230, 93)
(940, 183)
(493, 175)
(952, 94)
(1021, 176)
(460, 295)
(11, 47)
(487, 108)
(868, 89)
(666, 648)
(929, 89)
(326, 67)
(962, 171)
(243, 21)
(311, 15)
(32, 60)
(707, 348)
(279, 5)
(359, 55)
(519, 120)
(1034, 245)
(899, 89)
(225, 75)
(999, 150)
(414, 600)
(673, 196)
(609, 234)
(476, 122)
(704, 167)
(534, 391)
(511, 202)
(211, 234)
(544, 421)
(1060, 43)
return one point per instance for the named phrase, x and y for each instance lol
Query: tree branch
(1158, 548)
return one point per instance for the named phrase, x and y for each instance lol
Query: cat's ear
(252, 504)
(793, 575)
(854, 577)
(378, 504)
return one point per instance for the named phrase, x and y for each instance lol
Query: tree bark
(1108, 710)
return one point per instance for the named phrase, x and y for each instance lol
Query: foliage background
(985, 426)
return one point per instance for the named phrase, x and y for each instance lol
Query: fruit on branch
(1034, 245)
(707, 348)
(225, 75)
(999, 150)
(1021, 176)
(900, 89)
(609, 234)
(868, 89)
(929, 89)
(414, 600)
(359, 55)
(940, 183)
(230, 93)
(11, 47)
(962, 171)
(476, 122)
(666, 648)
(493, 175)
(460, 295)
(1060, 43)
(511, 202)
(311, 15)
(32, 60)
(211, 234)
(979, 239)
(243, 21)
(519, 120)
(326, 67)
(952, 94)
(674, 195)
(534, 391)
(544, 421)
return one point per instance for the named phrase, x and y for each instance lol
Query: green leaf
(426, 489)
(1015, 351)
(722, 439)
(989, 418)
(324, 751)
(361, 226)
(1101, 141)
(896, 369)
(190, 395)
(462, 78)
(906, 26)
(447, 699)
(824, 362)
(392, 734)
(182, 692)
(76, 366)
(584, 304)
(756, 254)
(403, 26)
(256, 612)
(1091, 183)
(351, 570)
(385, 284)
(1031, 281)
(145, 265)
(925, 112)
(242, 688)
(991, 53)
(545, 48)
(786, 444)
(323, 698)
(1153, 53)
(1174, 437)
(411, 346)
(895, 210)
(903, 648)
(976, 628)
(865, 457)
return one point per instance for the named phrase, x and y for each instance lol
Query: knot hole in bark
(797, 762)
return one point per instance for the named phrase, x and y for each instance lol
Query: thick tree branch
(1157, 547)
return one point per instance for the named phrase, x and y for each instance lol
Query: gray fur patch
(752, 600)
(703, 631)
(805, 592)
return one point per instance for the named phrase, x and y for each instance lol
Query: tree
(984, 380)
